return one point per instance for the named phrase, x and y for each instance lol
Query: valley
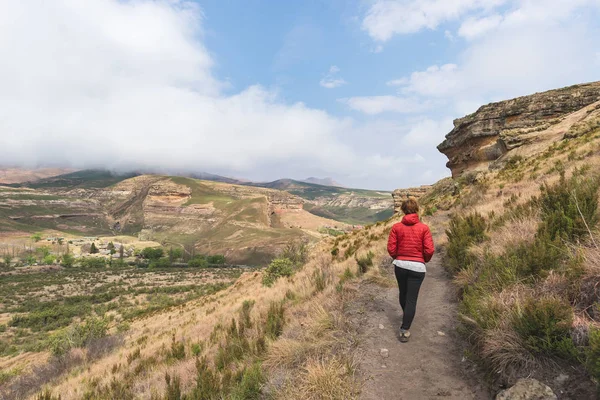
(516, 230)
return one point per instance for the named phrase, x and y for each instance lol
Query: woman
(411, 246)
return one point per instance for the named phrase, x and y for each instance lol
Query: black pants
(409, 283)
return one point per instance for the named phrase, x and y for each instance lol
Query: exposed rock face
(527, 389)
(354, 200)
(497, 128)
(399, 195)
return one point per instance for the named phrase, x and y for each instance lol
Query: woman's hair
(410, 206)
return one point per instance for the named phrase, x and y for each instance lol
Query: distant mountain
(205, 176)
(322, 181)
(21, 175)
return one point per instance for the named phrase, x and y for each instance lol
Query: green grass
(202, 193)
(82, 179)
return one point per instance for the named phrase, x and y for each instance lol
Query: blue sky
(361, 91)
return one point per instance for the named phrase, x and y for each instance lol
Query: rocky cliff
(497, 128)
(399, 195)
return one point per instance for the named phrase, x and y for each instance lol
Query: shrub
(245, 313)
(173, 389)
(78, 335)
(275, 320)
(545, 326)
(216, 259)
(177, 351)
(365, 262)
(152, 253)
(593, 353)
(93, 262)
(93, 248)
(198, 261)
(236, 346)
(49, 259)
(462, 233)
(569, 208)
(335, 251)
(163, 262)
(207, 382)
(47, 395)
(279, 267)
(196, 349)
(296, 252)
(67, 260)
(249, 388)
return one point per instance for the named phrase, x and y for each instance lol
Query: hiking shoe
(404, 335)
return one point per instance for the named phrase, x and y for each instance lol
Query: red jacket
(411, 240)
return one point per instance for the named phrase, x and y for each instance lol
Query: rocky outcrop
(527, 389)
(498, 128)
(354, 200)
(399, 195)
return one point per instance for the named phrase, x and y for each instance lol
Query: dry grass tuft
(506, 353)
(327, 379)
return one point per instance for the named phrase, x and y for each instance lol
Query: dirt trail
(431, 364)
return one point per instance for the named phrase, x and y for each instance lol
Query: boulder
(527, 389)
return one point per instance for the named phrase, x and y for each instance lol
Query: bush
(296, 252)
(93, 262)
(207, 382)
(569, 208)
(163, 262)
(93, 248)
(545, 326)
(49, 259)
(78, 335)
(593, 353)
(279, 267)
(249, 387)
(275, 320)
(365, 262)
(216, 259)
(152, 253)
(67, 260)
(462, 233)
(198, 261)
(177, 351)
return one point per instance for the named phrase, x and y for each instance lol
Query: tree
(216, 259)
(93, 249)
(67, 260)
(198, 261)
(36, 237)
(175, 254)
(152, 253)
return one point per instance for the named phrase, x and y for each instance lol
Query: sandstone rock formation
(527, 389)
(399, 195)
(497, 128)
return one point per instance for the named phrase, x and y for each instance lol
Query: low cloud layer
(130, 85)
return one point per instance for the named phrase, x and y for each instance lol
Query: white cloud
(123, 85)
(435, 81)
(475, 27)
(449, 35)
(331, 81)
(373, 105)
(533, 46)
(427, 132)
(388, 17)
